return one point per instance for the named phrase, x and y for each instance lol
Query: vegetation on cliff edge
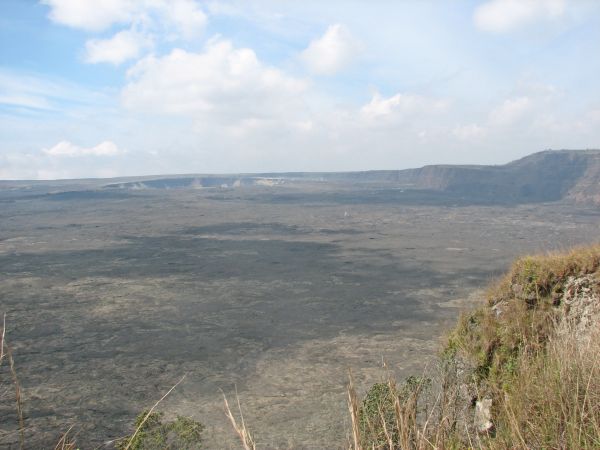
(520, 371)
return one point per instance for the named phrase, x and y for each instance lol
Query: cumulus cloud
(68, 149)
(508, 116)
(223, 84)
(332, 52)
(401, 106)
(185, 17)
(123, 46)
(531, 112)
(511, 111)
(504, 15)
(91, 16)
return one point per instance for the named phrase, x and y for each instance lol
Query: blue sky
(130, 87)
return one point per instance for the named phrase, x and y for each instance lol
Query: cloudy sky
(129, 87)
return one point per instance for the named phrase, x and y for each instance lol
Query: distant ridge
(551, 175)
(546, 176)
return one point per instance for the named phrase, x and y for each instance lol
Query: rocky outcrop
(587, 187)
(581, 303)
(483, 416)
(541, 177)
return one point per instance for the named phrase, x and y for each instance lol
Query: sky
(110, 88)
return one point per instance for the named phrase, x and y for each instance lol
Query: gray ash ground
(112, 295)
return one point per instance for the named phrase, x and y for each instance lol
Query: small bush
(377, 415)
(180, 434)
(388, 413)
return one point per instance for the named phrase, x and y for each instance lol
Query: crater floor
(111, 296)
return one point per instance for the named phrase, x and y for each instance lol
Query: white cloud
(332, 52)
(468, 132)
(185, 17)
(401, 106)
(123, 46)
(91, 15)
(36, 166)
(504, 15)
(68, 149)
(511, 111)
(531, 109)
(25, 101)
(220, 7)
(221, 85)
(42, 94)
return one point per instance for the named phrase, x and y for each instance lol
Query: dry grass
(18, 402)
(66, 441)
(522, 310)
(131, 440)
(240, 428)
(2, 335)
(354, 408)
(6, 352)
(541, 274)
(554, 401)
(393, 416)
(518, 350)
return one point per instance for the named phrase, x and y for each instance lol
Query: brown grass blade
(353, 408)
(241, 429)
(13, 371)
(150, 412)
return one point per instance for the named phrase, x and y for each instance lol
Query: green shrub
(388, 413)
(180, 434)
(378, 415)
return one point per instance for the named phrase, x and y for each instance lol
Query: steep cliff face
(543, 176)
(587, 187)
(546, 176)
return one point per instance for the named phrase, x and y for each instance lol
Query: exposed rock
(581, 302)
(521, 293)
(483, 416)
(498, 308)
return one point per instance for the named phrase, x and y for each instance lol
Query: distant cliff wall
(551, 175)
